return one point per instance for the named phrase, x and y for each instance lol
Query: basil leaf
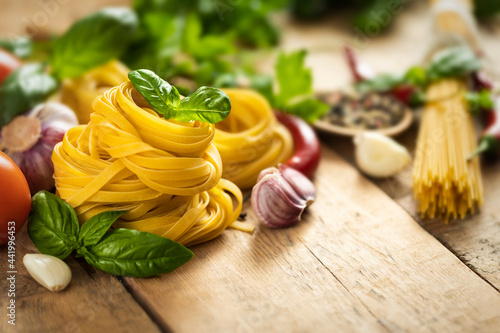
(20, 46)
(479, 101)
(206, 104)
(128, 252)
(93, 41)
(162, 96)
(453, 62)
(380, 83)
(416, 76)
(53, 225)
(24, 88)
(95, 227)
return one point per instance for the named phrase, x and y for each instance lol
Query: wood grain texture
(476, 239)
(93, 302)
(357, 262)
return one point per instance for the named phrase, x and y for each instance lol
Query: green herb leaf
(53, 225)
(479, 101)
(380, 83)
(128, 252)
(162, 96)
(308, 109)
(206, 104)
(294, 79)
(95, 227)
(453, 62)
(20, 46)
(93, 41)
(24, 88)
(416, 76)
(264, 85)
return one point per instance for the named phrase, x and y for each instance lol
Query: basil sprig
(206, 104)
(53, 227)
(24, 88)
(93, 41)
(452, 62)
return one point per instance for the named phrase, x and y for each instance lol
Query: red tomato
(8, 62)
(15, 198)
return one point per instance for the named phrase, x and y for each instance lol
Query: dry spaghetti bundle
(165, 173)
(250, 139)
(80, 92)
(444, 182)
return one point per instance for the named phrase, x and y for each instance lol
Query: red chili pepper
(490, 139)
(360, 70)
(307, 147)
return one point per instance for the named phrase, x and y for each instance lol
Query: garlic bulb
(51, 272)
(281, 195)
(378, 155)
(29, 140)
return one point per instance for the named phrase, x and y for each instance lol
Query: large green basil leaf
(95, 227)
(53, 225)
(453, 62)
(206, 104)
(128, 252)
(162, 96)
(93, 41)
(24, 88)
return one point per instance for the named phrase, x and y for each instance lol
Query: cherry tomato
(8, 62)
(15, 198)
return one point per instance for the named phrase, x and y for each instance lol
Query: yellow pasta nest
(165, 173)
(80, 92)
(250, 139)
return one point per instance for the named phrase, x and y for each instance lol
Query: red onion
(29, 140)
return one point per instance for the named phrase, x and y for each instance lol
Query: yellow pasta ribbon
(250, 139)
(79, 93)
(165, 173)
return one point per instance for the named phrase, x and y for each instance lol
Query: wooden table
(361, 259)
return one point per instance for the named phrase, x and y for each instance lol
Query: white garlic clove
(378, 155)
(275, 200)
(51, 272)
(299, 182)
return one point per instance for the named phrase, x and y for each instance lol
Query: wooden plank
(357, 262)
(476, 239)
(93, 302)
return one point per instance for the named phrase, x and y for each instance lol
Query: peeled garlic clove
(276, 202)
(49, 271)
(378, 155)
